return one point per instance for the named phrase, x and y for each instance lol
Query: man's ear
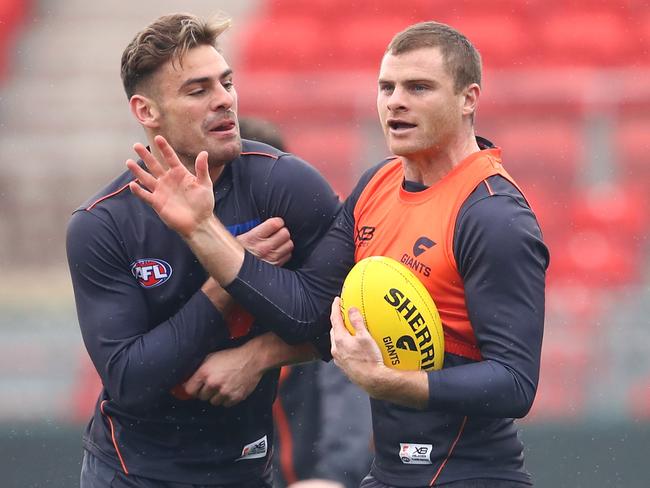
(145, 110)
(471, 95)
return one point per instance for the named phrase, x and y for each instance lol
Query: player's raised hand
(269, 241)
(182, 200)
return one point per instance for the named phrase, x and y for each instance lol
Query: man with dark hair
(150, 316)
(484, 264)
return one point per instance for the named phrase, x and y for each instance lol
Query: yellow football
(398, 311)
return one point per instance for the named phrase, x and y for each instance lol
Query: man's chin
(225, 153)
(402, 150)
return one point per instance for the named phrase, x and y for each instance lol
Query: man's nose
(395, 102)
(222, 100)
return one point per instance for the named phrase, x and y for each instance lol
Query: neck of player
(430, 166)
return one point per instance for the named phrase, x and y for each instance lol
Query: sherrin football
(398, 311)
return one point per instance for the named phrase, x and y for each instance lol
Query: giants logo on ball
(151, 272)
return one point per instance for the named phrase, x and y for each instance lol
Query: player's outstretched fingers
(168, 153)
(144, 178)
(141, 193)
(201, 169)
(150, 161)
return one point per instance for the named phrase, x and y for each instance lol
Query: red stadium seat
(333, 149)
(547, 204)
(284, 43)
(339, 11)
(612, 209)
(504, 41)
(544, 151)
(287, 8)
(632, 145)
(362, 41)
(587, 37)
(561, 392)
(595, 258)
(12, 13)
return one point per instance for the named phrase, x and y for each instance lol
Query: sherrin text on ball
(398, 311)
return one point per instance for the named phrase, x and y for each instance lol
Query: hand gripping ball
(398, 311)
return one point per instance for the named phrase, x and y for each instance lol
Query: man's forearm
(272, 352)
(217, 250)
(407, 388)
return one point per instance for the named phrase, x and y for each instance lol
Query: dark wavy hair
(167, 38)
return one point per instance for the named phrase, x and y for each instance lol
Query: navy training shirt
(468, 427)
(147, 326)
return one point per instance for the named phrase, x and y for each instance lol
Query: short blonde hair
(167, 38)
(462, 59)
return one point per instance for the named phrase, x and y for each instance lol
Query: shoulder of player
(262, 161)
(493, 213)
(495, 192)
(258, 151)
(373, 170)
(269, 169)
(364, 180)
(116, 190)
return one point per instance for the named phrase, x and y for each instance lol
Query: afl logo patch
(151, 272)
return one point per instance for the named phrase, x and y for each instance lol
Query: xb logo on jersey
(364, 234)
(151, 272)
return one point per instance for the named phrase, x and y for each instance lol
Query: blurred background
(566, 94)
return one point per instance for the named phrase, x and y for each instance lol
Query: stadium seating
(503, 40)
(362, 41)
(632, 146)
(547, 152)
(12, 15)
(290, 42)
(331, 148)
(584, 37)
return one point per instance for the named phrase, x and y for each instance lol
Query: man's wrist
(258, 349)
(219, 252)
(205, 228)
(408, 388)
(268, 351)
(376, 378)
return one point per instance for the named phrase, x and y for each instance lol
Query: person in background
(322, 419)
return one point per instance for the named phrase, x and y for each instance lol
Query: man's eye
(197, 92)
(228, 85)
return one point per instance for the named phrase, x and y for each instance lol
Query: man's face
(197, 106)
(419, 111)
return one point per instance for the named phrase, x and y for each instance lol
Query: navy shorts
(370, 482)
(97, 474)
